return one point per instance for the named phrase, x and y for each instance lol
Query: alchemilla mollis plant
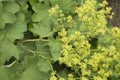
(58, 40)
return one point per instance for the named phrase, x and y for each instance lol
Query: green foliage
(58, 40)
(7, 51)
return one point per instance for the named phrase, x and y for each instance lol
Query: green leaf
(7, 50)
(24, 7)
(15, 71)
(22, 2)
(55, 48)
(2, 35)
(32, 2)
(41, 0)
(1, 8)
(43, 49)
(37, 7)
(41, 11)
(26, 50)
(11, 6)
(71, 5)
(39, 16)
(46, 3)
(8, 17)
(2, 23)
(43, 29)
(7, 12)
(3, 75)
(44, 65)
(54, 2)
(6, 0)
(15, 31)
(32, 73)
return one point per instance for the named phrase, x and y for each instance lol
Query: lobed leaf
(7, 50)
(15, 31)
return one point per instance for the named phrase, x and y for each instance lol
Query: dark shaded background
(115, 4)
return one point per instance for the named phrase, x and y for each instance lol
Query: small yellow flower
(98, 78)
(105, 2)
(108, 9)
(53, 77)
(101, 72)
(84, 78)
(53, 10)
(61, 79)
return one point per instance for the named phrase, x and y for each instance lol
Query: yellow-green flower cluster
(104, 62)
(60, 20)
(54, 10)
(75, 48)
(108, 9)
(84, 78)
(70, 77)
(77, 53)
(103, 4)
(116, 33)
(112, 37)
(98, 78)
(70, 22)
(117, 70)
(115, 37)
(93, 20)
(53, 77)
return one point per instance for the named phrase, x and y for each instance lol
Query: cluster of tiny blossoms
(95, 65)
(76, 53)
(90, 64)
(75, 48)
(54, 77)
(60, 20)
(93, 20)
(115, 32)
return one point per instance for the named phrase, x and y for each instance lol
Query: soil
(115, 4)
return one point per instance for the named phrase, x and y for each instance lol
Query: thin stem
(51, 66)
(34, 40)
(10, 64)
(94, 50)
(82, 2)
(44, 39)
(31, 40)
(43, 57)
(78, 73)
(58, 75)
(28, 50)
